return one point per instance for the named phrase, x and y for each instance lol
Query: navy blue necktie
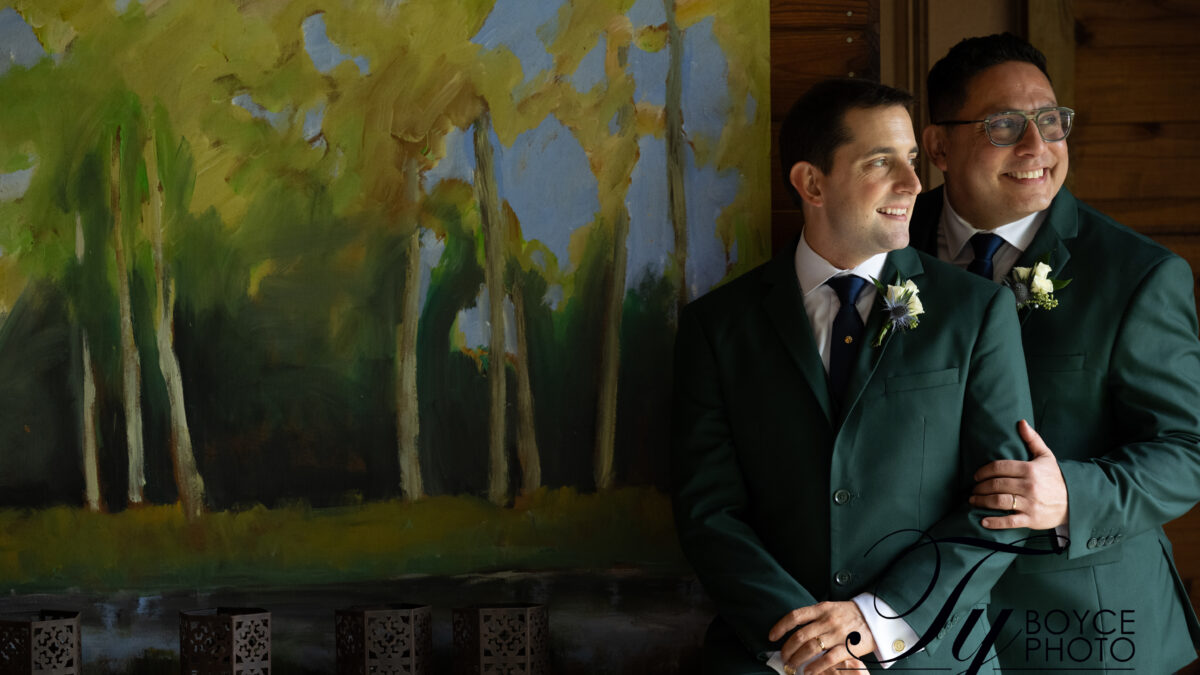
(847, 332)
(985, 244)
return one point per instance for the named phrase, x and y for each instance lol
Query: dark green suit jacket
(784, 498)
(1114, 372)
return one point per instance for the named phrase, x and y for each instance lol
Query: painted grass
(156, 548)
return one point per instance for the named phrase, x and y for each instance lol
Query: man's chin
(1024, 202)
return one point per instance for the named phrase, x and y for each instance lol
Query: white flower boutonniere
(1033, 285)
(902, 306)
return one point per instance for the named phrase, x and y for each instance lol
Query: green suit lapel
(785, 307)
(1061, 224)
(907, 264)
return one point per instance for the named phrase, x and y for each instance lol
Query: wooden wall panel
(1137, 84)
(811, 41)
(816, 15)
(1135, 153)
(1108, 24)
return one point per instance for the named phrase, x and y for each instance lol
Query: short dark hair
(815, 126)
(946, 85)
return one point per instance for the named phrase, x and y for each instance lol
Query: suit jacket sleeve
(996, 399)
(710, 501)
(1153, 474)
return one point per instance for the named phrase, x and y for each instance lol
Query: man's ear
(807, 180)
(935, 142)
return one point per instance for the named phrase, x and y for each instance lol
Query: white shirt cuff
(776, 662)
(893, 636)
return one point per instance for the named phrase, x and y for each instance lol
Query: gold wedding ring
(820, 643)
(1014, 504)
(789, 670)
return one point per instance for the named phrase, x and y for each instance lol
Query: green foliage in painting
(250, 260)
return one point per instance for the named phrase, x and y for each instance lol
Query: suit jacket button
(843, 577)
(841, 497)
(1108, 541)
(1092, 543)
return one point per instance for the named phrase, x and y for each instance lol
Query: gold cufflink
(898, 646)
(849, 339)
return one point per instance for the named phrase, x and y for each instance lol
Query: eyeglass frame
(1032, 115)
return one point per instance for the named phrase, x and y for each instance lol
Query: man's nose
(1031, 142)
(908, 182)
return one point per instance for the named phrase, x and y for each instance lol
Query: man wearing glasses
(1114, 370)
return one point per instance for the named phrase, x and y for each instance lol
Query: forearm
(957, 560)
(1151, 474)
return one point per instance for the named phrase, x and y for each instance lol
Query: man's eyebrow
(887, 150)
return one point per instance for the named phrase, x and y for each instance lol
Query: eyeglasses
(1006, 128)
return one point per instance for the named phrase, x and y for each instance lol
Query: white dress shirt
(821, 301)
(954, 235)
(821, 304)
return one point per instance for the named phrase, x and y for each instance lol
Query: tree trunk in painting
(527, 449)
(614, 296)
(131, 367)
(676, 204)
(407, 411)
(493, 242)
(188, 481)
(91, 457)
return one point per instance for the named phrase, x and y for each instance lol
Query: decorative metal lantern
(45, 642)
(511, 639)
(393, 638)
(225, 641)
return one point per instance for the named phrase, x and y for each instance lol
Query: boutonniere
(1033, 285)
(902, 306)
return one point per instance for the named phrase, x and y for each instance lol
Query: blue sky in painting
(546, 178)
(312, 121)
(324, 53)
(517, 24)
(705, 81)
(476, 328)
(708, 192)
(649, 68)
(278, 120)
(459, 162)
(647, 13)
(18, 44)
(14, 185)
(591, 69)
(545, 175)
(543, 161)
(651, 237)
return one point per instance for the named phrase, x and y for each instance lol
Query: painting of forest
(323, 291)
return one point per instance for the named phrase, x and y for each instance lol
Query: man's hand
(1034, 491)
(824, 626)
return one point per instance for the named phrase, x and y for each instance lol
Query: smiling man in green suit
(816, 436)
(1114, 368)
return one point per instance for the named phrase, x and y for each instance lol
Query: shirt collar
(812, 270)
(1018, 234)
